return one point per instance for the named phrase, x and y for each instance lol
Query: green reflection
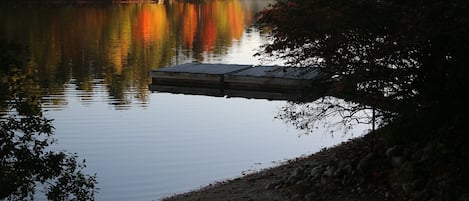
(121, 43)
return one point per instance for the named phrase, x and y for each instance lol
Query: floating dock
(266, 82)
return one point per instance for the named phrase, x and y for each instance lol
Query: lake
(91, 69)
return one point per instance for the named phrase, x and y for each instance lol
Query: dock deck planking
(271, 82)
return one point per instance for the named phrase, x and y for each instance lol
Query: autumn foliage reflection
(121, 43)
(189, 23)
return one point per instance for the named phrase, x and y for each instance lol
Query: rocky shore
(375, 167)
(331, 174)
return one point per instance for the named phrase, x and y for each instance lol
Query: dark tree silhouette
(407, 59)
(26, 163)
(398, 56)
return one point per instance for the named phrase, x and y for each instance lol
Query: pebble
(329, 171)
(297, 171)
(315, 172)
(313, 163)
(310, 196)
(396, 161)
(300, 182)
(279, 186)
(407, 187)
(365, 163)
(270, 186)
(393, 151)
(292, 179)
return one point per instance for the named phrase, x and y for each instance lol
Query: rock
(295, 196)
(365, 162)
(396, 161)
(315, 172)
(313, 163)
(329, 171)
(270, 186)
(407, 187)
(324, 180)
(300, 182)
(347, 168)
(310, 196)
(282, 179)
(297, 171)
(421, 195)
(393, 151)
(344, 166)
(342, 163)
(292, 179)
(279, 186)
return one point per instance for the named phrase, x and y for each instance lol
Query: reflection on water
(89, 69)
(26, 162)
(119, 44)
(179, 142)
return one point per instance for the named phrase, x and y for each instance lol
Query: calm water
(91, 69)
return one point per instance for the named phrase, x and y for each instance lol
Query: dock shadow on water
(28, 167)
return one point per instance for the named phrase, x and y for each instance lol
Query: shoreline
(252, 186)
(281, 182)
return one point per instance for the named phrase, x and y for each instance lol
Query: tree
(407, 59)
(398, 56)
(25, 134)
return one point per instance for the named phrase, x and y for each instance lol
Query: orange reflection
(152, 24)
(235, 17)
(189, 24)
(209, 30)
(118, 45)
(144, 22)
(222, 21)
(121, 43)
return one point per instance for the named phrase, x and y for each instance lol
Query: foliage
(397, 55)
(26, 163)
(408, 59)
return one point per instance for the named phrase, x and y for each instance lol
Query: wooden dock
(266, 82)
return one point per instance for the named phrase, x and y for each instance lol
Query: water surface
(90, 64)
(178, 142)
